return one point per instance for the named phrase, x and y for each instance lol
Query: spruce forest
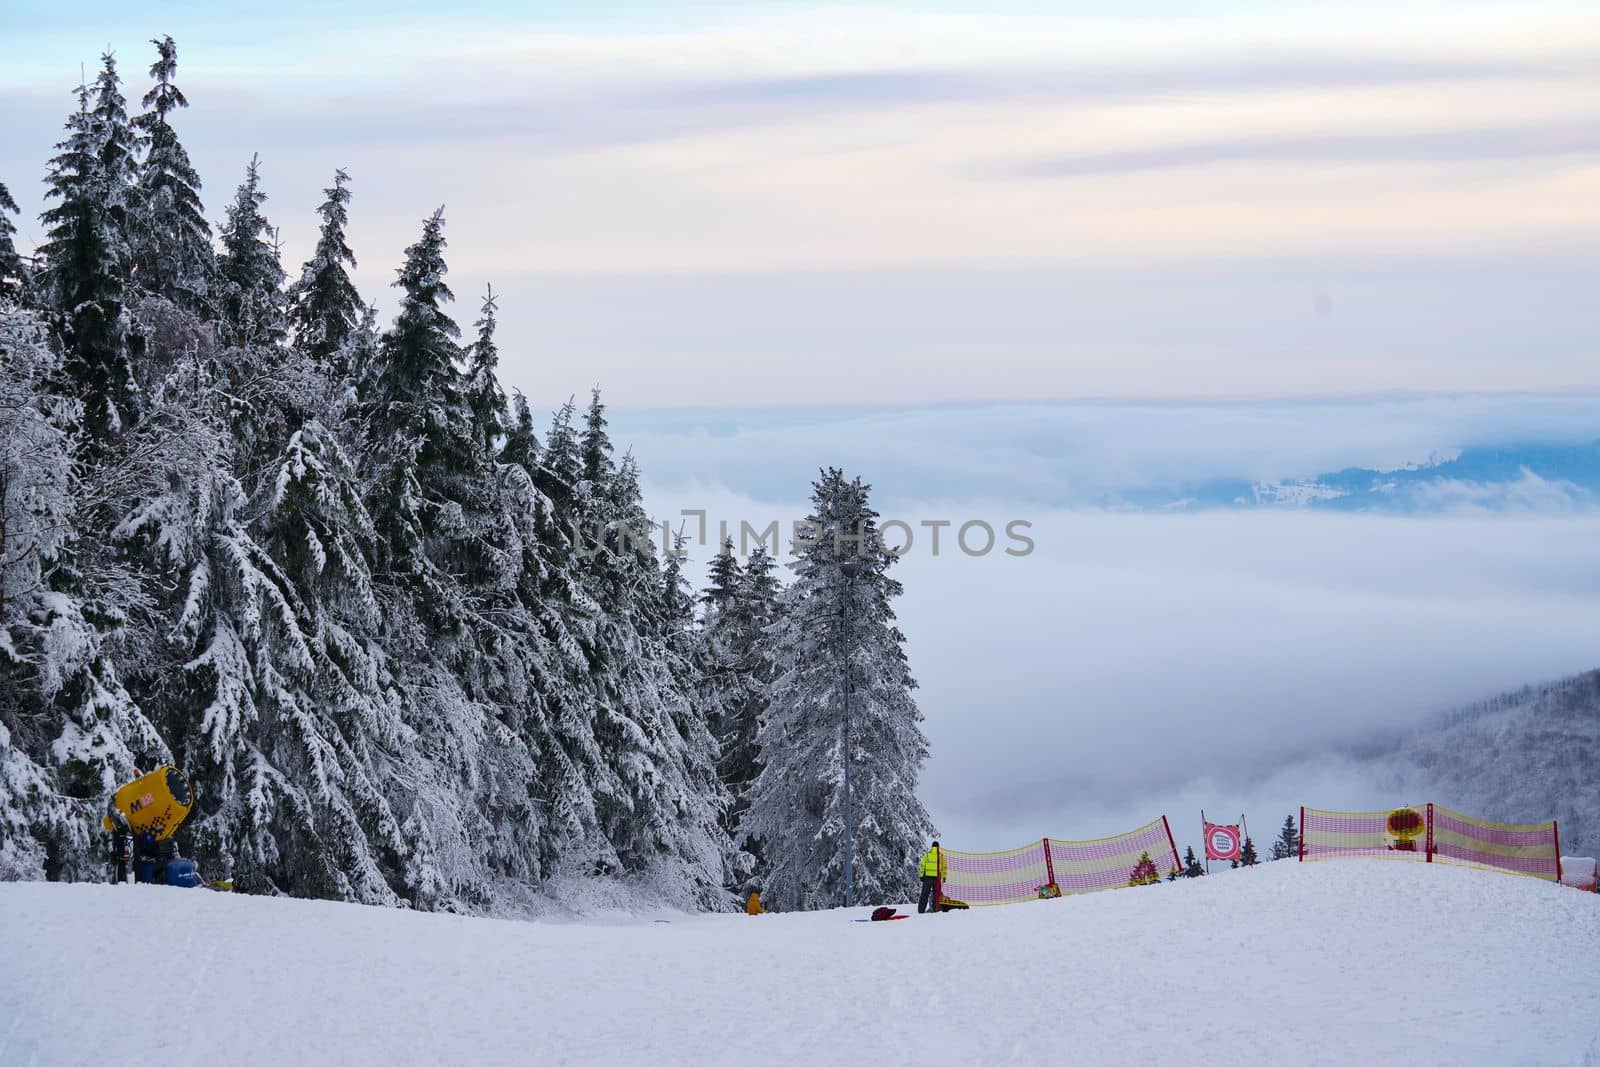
(398, 635)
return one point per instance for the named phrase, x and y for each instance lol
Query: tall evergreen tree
(326, 311)
(563, 464)
(249, 270)
(522, 440)
(453, 552)
(658, 799)
(557, 614)
(85, 262)
(117, 145)
(273, 389)
(741, 604)
(597, 466)
(486, 401)
(13, 276)
(171, 238)
(1191, 864)
(418, 388)
(1287, 846)
(838, 622)
(723, 577)
(419, 424)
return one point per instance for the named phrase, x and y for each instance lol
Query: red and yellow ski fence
(1053, 867)
(1432, 833)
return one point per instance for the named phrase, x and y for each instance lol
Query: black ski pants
(929, 901)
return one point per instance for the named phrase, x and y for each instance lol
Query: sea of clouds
(1137, 663)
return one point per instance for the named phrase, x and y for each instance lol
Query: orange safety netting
(1431, 833)
(1035, 869)
(1526, 849)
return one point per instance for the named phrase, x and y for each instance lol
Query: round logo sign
(1223, 842)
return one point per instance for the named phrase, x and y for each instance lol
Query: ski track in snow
(1354, 962)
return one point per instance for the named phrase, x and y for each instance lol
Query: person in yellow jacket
(933, 869)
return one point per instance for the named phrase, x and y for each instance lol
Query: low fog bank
(1141, 663)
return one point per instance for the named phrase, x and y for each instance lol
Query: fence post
(1170, 842)
(938, 879)
(1049, 864)
(1430, 831)
(1302, 833)
(1555, 834)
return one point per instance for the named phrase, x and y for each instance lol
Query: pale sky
(801, 203)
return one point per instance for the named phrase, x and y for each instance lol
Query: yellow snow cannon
(155, 804)
(145, 814)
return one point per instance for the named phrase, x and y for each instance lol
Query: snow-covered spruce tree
(486, 401)
(13, 275)
(272, 389)
(562, 463)
(556, 614)
(1191, 864)
(722, 581)
(528, 669)
(117, 146)
(659, 801)
(171, 240)
(797, 803)
(721, 683)
(687, 657)
(418, 421)
(85, 262)
(313, 526)
(522, 438)
(740, 605)
(325, 309)
(628, 753)
(68, 730)
(450, 565)
(1287, 846)
(250, 273)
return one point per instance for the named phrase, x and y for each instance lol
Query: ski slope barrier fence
(1035, 869)
(1432, 833)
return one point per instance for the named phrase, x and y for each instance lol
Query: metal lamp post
(849, 568)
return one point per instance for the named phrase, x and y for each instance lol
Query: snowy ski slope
(1354, 962)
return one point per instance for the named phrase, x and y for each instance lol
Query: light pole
(849, 568)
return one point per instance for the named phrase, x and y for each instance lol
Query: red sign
(1222, 842)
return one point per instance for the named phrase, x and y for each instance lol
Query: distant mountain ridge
(1573, 470)
(1524, 756)
(1514, 476)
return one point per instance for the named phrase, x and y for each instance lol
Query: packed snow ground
(1337, 963)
